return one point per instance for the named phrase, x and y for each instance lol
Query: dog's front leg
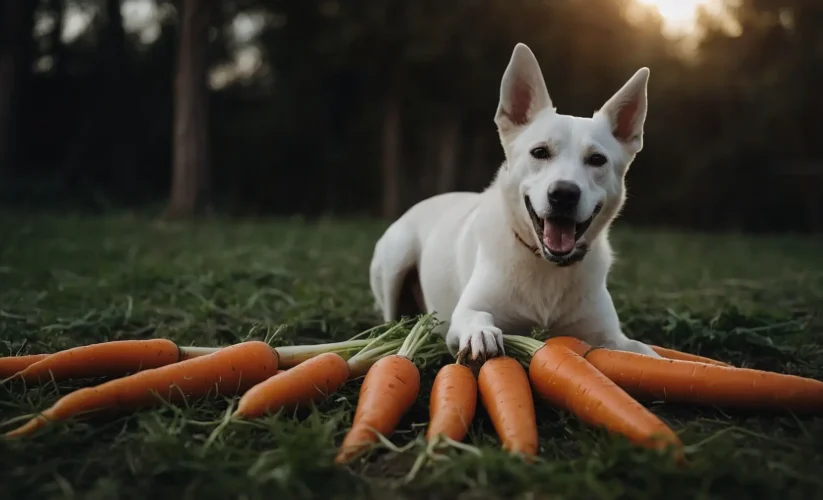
(602, 327)
(472, 324)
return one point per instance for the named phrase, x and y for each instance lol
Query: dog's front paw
(481, 342)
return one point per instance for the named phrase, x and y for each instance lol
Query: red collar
(532, 249)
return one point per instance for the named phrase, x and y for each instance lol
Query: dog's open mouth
(559, 234)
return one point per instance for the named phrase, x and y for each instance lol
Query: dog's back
(395, 265)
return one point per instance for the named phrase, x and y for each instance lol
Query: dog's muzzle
(559, 235)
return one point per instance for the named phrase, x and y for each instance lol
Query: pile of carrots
(599, 386)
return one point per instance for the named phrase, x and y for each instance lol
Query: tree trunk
(390, 161)
(16, 23)
(427, 159)
(478, 174)
(56, 47)
(190, 166)
(114, 111)
(448, 143)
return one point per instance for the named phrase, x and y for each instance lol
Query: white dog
(531, 250)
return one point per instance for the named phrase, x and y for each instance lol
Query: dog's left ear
(626, 111)
(523, 91)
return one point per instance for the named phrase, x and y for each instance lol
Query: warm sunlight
(678, 15)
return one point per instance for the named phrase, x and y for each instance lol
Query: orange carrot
(314, 379)
(229, 371)
(568, 381)
(123, 357)
(388, 391)
(684, 356)
(114, 358)
(11, 365)
(507, 397)
(680, 381)
(290, 355)
(452, 402)
(308, 382)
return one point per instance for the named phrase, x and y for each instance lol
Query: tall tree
(190, 164)
(390, 160)
(16, 23)
(56, 47)
(448, 144)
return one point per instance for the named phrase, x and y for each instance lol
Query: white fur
(474, 274)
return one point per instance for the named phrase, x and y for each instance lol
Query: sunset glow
(678, 15)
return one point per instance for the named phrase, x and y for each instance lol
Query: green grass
(68, 281)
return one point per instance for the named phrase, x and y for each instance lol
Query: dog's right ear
(522, 92)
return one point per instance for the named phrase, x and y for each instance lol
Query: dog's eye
(596, 160)
(541, 153)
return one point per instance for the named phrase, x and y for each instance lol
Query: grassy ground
(70, 281)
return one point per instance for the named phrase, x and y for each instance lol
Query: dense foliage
(349, 92)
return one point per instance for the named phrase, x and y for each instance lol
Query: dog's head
(564, 175)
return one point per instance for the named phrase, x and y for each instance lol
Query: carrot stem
(290, 355)
(522, 347)
(418, 336)
(381, 346)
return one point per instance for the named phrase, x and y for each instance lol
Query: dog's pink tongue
(558, 237)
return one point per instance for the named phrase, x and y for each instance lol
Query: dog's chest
(540, 301)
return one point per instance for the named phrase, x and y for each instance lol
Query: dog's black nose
(564, 195)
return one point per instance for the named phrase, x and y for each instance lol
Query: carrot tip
(352, 451)
(26, 429)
